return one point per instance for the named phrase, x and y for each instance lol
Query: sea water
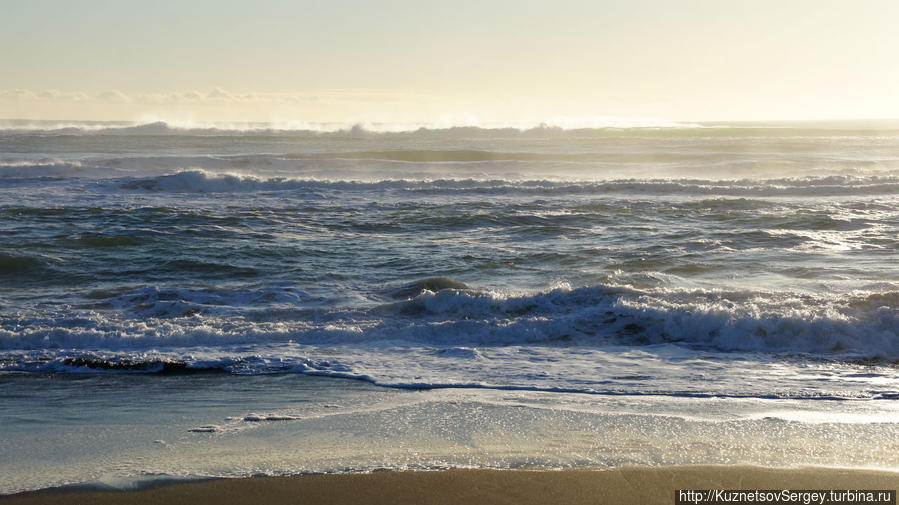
(186, 302)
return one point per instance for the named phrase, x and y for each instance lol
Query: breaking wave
(198, 181)
(861, 327)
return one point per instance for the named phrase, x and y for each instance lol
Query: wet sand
(625, 485)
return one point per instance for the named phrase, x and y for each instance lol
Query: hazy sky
(448, 61)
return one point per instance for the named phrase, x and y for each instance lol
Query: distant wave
(266, 128)
(202, 181)
(565, 127)
(50, 169)
(197, 181)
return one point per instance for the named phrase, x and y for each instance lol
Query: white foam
(200, 181)
(599, 339)
(863, 325)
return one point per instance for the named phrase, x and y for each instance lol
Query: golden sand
(619, 486)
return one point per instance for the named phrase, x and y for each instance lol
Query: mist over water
(678, 259)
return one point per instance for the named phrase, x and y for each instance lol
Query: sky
(449, 62)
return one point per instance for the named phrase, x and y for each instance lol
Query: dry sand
(620, 486)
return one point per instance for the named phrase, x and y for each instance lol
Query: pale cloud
(47, 95)
(114, 96)
(17, 94)
(217, 95)
(57, 95)
(220, 104)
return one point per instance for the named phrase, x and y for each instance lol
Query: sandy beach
(625, 485)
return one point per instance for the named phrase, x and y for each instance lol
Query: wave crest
(200, 181)
(840, 328)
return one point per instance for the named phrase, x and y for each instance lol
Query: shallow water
(123, 431)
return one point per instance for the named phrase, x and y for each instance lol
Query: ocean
(228, 300)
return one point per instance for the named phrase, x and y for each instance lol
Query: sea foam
(836, 327)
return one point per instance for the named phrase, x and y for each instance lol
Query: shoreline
(620, 485)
